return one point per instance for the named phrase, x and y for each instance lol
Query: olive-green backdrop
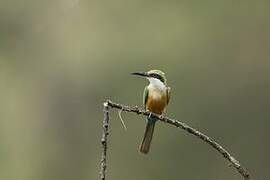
(60, 59)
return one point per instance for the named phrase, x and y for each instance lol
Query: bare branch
(183, 126)
(105, 133)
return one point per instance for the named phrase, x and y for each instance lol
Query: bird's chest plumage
(157, 100)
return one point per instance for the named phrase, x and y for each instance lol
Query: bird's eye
(157, 76)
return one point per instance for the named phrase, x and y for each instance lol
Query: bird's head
(154, 76)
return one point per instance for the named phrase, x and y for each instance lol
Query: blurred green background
(60, 59)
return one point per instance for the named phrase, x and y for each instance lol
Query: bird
(156, 97)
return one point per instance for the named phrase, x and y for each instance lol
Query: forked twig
(173, 122)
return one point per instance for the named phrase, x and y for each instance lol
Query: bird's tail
(148, 134)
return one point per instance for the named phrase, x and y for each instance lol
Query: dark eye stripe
(157, 76)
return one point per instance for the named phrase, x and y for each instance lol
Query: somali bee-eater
(156, 97)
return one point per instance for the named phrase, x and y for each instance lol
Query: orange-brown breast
(156, 102)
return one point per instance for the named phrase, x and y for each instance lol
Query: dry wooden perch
(167, 120)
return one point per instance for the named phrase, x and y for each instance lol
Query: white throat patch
(156, 83)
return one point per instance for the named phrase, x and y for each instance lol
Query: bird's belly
(156, 102)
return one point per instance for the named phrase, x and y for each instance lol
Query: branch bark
(175, 123)
(105, 133)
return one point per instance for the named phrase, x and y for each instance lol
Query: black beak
(144, 74)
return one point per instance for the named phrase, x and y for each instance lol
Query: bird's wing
(145, 96)
(168, 94)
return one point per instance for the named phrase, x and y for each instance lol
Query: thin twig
(185, 127)
(121, 119)
(105, 133)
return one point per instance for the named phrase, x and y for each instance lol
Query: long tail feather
(148, 134)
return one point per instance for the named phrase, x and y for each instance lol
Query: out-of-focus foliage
(60, 59)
